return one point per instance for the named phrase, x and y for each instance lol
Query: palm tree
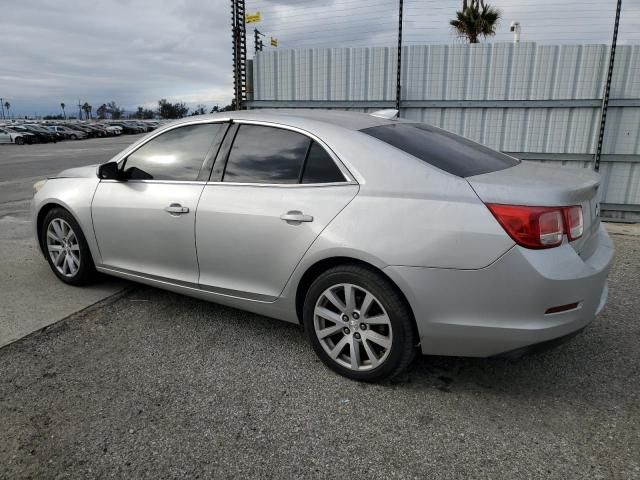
(86, 108)
(102, 111)
(7, 105)
(476, 19)
(63, 112)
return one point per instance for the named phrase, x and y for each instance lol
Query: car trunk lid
(535, 184)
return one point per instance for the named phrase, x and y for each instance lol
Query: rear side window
(444, 150)
(320, 167)
(177, 154)
(263, 154)
(266, 155)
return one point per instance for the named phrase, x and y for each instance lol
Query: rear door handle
(296, 216)
(176, 209)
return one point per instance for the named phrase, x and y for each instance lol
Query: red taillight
(539, 227)
(574, 222)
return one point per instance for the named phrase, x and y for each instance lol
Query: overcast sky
(138, 51)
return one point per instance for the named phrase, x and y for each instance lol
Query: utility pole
(79, 110)
(239, 33)
(607, 89)
(2, 105)
(257, 41)
(399, 72)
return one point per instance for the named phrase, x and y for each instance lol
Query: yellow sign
(274, 42)
(252, 17)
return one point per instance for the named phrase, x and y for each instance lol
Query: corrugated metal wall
(540, 102)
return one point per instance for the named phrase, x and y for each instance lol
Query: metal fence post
(607, 89)
(399, 72)
(239, 53)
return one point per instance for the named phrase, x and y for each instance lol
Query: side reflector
(562, 308)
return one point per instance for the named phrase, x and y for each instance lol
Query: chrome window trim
(163, 182)
(349, 179)
(285, 185)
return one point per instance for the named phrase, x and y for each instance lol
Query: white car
(10, 136)
(113, 129)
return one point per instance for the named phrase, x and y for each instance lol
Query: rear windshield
(448, 152)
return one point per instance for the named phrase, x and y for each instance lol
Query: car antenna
(389, 113)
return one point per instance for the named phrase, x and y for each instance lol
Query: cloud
(138, 51)
(133, 52)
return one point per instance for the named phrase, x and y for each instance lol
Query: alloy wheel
(63, 247)
(353, 327)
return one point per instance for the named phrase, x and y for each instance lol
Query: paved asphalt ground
(31, 297)
(148, 384)
(23, 165)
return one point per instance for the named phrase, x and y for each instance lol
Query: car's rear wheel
(73, 137)
(359, 324)
(66, 248)
(19, 141)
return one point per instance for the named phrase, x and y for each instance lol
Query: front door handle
(296, 216)
(176, 209)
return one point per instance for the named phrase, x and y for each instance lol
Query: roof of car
(300, 116)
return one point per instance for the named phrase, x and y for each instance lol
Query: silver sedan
(382, 237)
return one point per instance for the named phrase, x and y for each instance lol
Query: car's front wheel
(66, 248)
(19, 141)
(359, 324)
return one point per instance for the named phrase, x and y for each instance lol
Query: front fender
(74, 195)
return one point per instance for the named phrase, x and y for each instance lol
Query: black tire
(19, 141)
(86, 272)
(73, 137)
(404, 338)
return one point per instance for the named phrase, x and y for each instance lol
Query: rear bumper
(500, 308)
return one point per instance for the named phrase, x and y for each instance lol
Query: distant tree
(215, 109)
(102, 111)
(229, 108)
(200, 110)
(476, 19)
(115, 111)
(167, 109)
(7, 105)
(86, 108)
(64, 114)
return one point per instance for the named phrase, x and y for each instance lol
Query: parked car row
(31, 132)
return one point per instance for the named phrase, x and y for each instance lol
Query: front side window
(175, 155)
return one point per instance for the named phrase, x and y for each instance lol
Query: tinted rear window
(320, 167)
(266, 155)
(444, 150)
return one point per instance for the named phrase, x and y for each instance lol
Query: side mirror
(109, 171)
